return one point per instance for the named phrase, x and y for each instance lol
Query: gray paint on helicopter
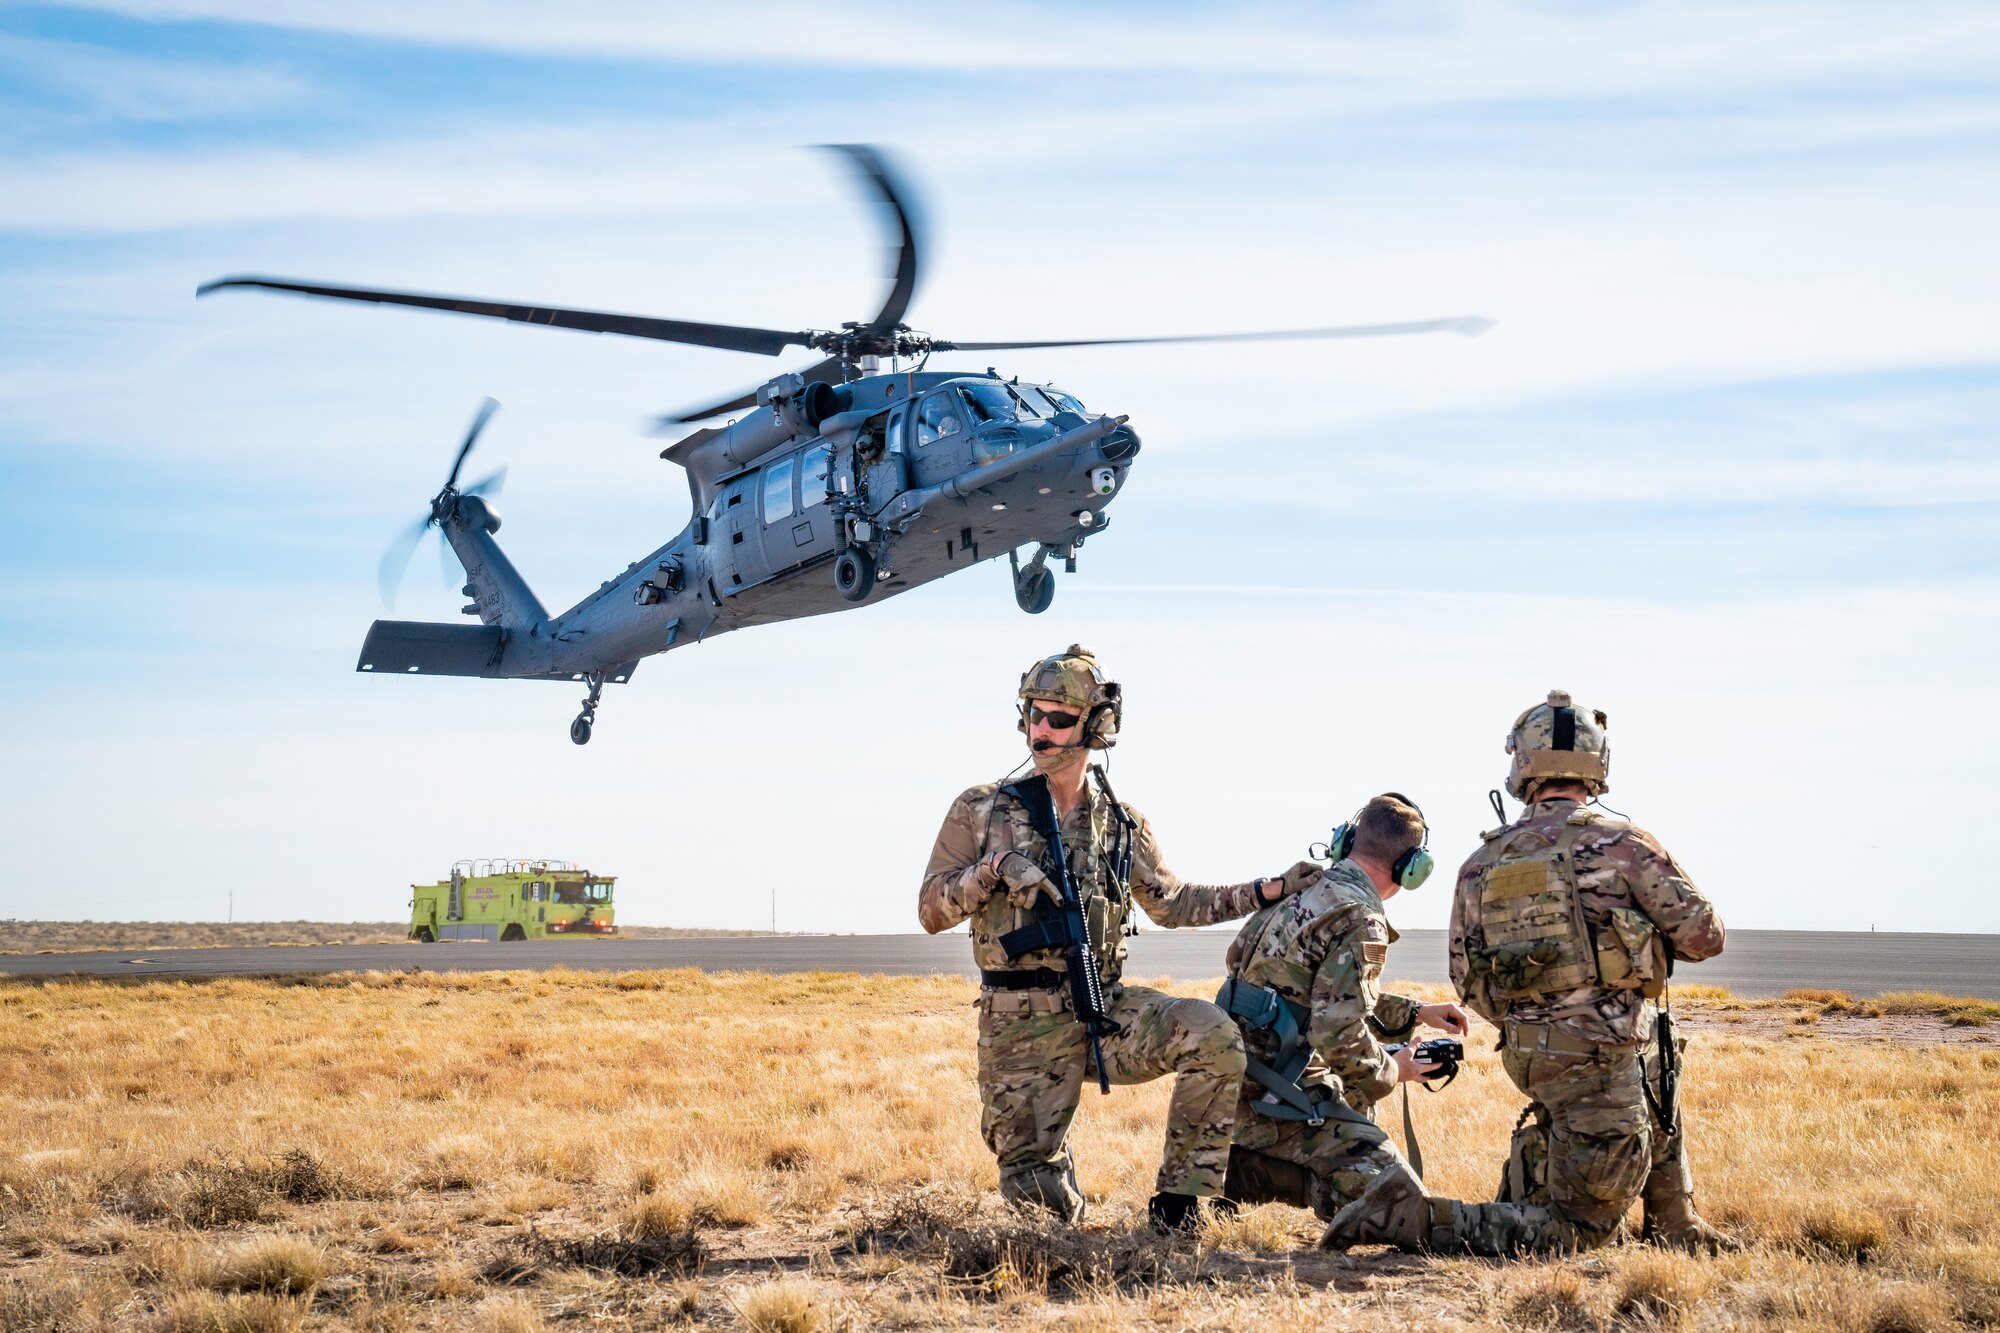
(839, 486)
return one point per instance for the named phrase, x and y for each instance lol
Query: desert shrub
(783, 1305)
(670, 1252)
(206, 1312)
(1844, 1231)
(281, 1265)
(1830, 999)
(1552, 1297)
(507, 1314)
(1662, 1285)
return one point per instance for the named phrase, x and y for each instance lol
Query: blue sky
(1726, 467)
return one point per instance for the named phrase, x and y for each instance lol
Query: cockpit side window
(1037, 401)
(991, 402)
(939, 417)
(1063, 400)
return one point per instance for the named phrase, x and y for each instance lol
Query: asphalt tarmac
(1757, 962)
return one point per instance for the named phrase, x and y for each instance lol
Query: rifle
(1067, 929)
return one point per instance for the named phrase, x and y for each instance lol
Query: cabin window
(1065, 401)
(938, 418)
(778, 490)
(814, 467)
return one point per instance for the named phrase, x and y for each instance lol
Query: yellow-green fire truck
(503, 899)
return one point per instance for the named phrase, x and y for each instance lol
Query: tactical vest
(1532, 941)
(1101, 866)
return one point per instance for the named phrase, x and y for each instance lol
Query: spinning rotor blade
(729, 337)
(487, 408)
(868, 160)
(489, 485)
(1470, 326)
(827, 372)
(395, 560)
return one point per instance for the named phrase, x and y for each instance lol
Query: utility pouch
(1630, 954)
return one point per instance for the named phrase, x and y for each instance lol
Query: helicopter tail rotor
(396, 558)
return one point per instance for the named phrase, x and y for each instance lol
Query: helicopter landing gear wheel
(854, 574)
(579, 730)
(1035, 589)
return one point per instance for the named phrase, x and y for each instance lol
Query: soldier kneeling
(1305, 978)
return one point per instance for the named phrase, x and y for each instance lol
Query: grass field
(796, 1153)
(73, 936)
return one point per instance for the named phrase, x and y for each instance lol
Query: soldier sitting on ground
(992, 865)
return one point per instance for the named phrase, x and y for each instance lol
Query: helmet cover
(1558, 740)
(1074, 678)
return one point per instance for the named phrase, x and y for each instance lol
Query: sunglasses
(1060, 721)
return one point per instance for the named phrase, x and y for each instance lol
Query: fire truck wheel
(424, 936)
(512, 933)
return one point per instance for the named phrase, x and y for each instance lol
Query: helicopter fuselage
(822, 498)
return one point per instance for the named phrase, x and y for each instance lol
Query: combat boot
(1672, 1221)
(1395, 1209)
(1668, 1213)
(1174, 1213)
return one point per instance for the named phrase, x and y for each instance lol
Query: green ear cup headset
(1412, 868)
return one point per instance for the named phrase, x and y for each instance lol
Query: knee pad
(1256, 1177)
(1526, 1176)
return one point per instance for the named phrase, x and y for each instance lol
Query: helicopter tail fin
(500, 596)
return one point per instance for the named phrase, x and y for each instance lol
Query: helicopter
(838, 485)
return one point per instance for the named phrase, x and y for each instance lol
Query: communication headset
(1411, 869)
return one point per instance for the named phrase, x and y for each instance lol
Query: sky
(1726, 467)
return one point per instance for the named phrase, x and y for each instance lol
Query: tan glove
(1299, 878)
(1025, 880)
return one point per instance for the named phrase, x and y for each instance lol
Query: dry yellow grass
(21, 937)
(578, 1150)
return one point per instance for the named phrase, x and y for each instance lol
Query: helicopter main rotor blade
(729, 337)
(1470, 326)
(827, 371)
(396, 559)
(868, 160)
(487, 408)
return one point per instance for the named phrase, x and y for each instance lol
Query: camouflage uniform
(1588, 1146)
(1033, 1055)
(1324, 949)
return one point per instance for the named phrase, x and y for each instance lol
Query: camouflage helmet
(1073, 677)
(1559, 740)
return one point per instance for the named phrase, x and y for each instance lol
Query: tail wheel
(854, 573)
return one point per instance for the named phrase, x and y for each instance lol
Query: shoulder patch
(1375, 952)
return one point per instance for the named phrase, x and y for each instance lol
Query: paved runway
(1758, 962)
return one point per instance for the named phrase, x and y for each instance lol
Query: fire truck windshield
(590, 891)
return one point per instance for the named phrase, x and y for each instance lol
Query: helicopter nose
(1120, 445)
